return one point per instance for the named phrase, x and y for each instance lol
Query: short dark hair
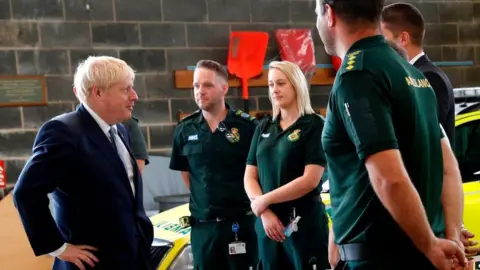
(401, 51)
(357, 11)
(399, 17)
(219, 69)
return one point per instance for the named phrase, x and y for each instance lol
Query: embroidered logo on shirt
(233, 136)
(265, 135)
(193, 137)
(294, 136)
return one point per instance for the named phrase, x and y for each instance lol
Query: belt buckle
(185, 222)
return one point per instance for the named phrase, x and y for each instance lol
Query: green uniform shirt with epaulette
(380, 102)
(137, 140)
(215, 161)
(281, 155)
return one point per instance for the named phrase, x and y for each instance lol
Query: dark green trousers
(304, 247)
(210, 245)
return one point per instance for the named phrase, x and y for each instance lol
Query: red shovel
(246, 55)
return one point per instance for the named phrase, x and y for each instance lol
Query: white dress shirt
(414, 59)
(122, 153)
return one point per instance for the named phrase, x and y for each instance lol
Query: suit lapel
(101, 141)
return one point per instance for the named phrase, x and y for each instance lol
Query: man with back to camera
(403, 24)
(83, 158)
(391, 200)
(210, 148)
(137, 143)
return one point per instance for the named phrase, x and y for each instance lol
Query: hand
(470, 249)
(443, 253)
(259, 205)
(273, 226)
(79, 254)
(470, 266)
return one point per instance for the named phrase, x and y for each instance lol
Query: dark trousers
(303, 249)
(210, 244)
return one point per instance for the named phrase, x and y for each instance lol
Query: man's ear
(225, 88)
(330, 16)
(97, 92)
(404, 39)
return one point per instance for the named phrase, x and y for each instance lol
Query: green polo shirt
(216, 163)
(137, 140)
(281, 155)
(380, 102)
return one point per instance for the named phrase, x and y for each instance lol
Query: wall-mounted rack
(181, 115)
(322, 76)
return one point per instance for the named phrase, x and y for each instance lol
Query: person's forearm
(452, 201)
(333, 253)
(141, 165)
(291, 191)
(186, 179)
(252, 188)
(403, 202)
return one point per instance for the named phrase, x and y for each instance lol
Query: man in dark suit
(403, 24)
(83, 158)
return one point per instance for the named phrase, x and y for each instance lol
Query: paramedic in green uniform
(137, 143)
(394, 183)
(284, 168)
(210, 148)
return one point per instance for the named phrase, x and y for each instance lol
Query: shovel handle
(245, 94)
(245, 106)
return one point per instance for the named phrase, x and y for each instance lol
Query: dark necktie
(112, 132)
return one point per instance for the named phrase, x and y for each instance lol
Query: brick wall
(157, 36)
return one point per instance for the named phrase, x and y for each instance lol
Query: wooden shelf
(322, 76)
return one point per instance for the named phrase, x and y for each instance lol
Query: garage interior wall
(49, 37)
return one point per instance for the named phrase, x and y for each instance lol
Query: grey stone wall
(49, 37)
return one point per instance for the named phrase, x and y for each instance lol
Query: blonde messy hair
(101, 72)
(296, 77)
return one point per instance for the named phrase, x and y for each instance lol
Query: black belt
(364, 252)
(356, 252)
(188, 221)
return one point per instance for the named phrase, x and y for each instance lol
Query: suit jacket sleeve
(53, 152)
(441, 92)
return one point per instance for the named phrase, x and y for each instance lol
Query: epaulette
(190, 116)
(352, 61)
(246, 116)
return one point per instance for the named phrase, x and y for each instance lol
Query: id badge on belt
(236, 247)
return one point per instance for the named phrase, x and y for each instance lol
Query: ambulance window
(467, 150)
